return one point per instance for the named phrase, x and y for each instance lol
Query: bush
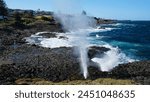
(28, 14)
(27, 21)
(3, 9)
(44, 18)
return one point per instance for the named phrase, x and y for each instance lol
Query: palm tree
(3, 9)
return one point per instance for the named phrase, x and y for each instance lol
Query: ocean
(128, 41)
(130, 37)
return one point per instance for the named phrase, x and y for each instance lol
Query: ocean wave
(99, 29)
(54, 43)
(48, 42)
(117, 25)
(111, 59)
(113, 24)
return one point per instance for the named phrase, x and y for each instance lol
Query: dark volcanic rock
(97, 51)
(49, 35)
(62, 37)
(52, 35)
(139, 71)
(31, 61)
(19, 60)
(95, 73)
(9, 34)
(37, 62)
(61, 64)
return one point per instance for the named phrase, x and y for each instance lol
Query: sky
(112, 9)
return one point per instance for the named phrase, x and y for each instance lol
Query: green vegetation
(22, 23)
(26, 19)
(100, 81)
(44, 18)
(3, 9)
(28, 14)
(21, 18)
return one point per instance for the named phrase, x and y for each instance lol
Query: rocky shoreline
(20, 60)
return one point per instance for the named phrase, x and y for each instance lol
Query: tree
(17, 16)
(28, 14)
(3, 9)
(18, 21)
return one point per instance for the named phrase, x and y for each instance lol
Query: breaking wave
(110, 59)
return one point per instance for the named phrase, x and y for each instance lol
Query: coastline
(21, 63)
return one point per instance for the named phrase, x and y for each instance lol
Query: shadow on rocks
(138, 71)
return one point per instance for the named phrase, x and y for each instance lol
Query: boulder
(97, 51)
(138, 71)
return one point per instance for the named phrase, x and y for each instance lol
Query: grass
(6, 23)
(100, 81)
(27, 21)
(44, 17)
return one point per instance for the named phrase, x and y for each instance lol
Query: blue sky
(114, 9)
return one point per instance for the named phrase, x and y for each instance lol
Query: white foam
(33, 39)
(101, 37)
(111, 59)
(48, 42)
(99, 29)
(122, 24)
(97, 36)
(54, 43)
(116, 24)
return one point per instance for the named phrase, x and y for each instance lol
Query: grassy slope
(100, 81)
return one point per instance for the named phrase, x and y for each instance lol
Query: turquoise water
(131, 38)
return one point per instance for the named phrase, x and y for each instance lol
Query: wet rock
(31, 61)
(37, 62)
(61, 64)
(49, 35)
(62, 37)
(97, 51)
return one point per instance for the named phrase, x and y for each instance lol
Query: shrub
(44, 18)
(27, 21)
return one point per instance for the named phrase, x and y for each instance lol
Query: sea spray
(82, 45)
(111, 58)
(77, 25)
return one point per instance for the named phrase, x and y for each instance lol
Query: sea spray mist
(77, 26)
